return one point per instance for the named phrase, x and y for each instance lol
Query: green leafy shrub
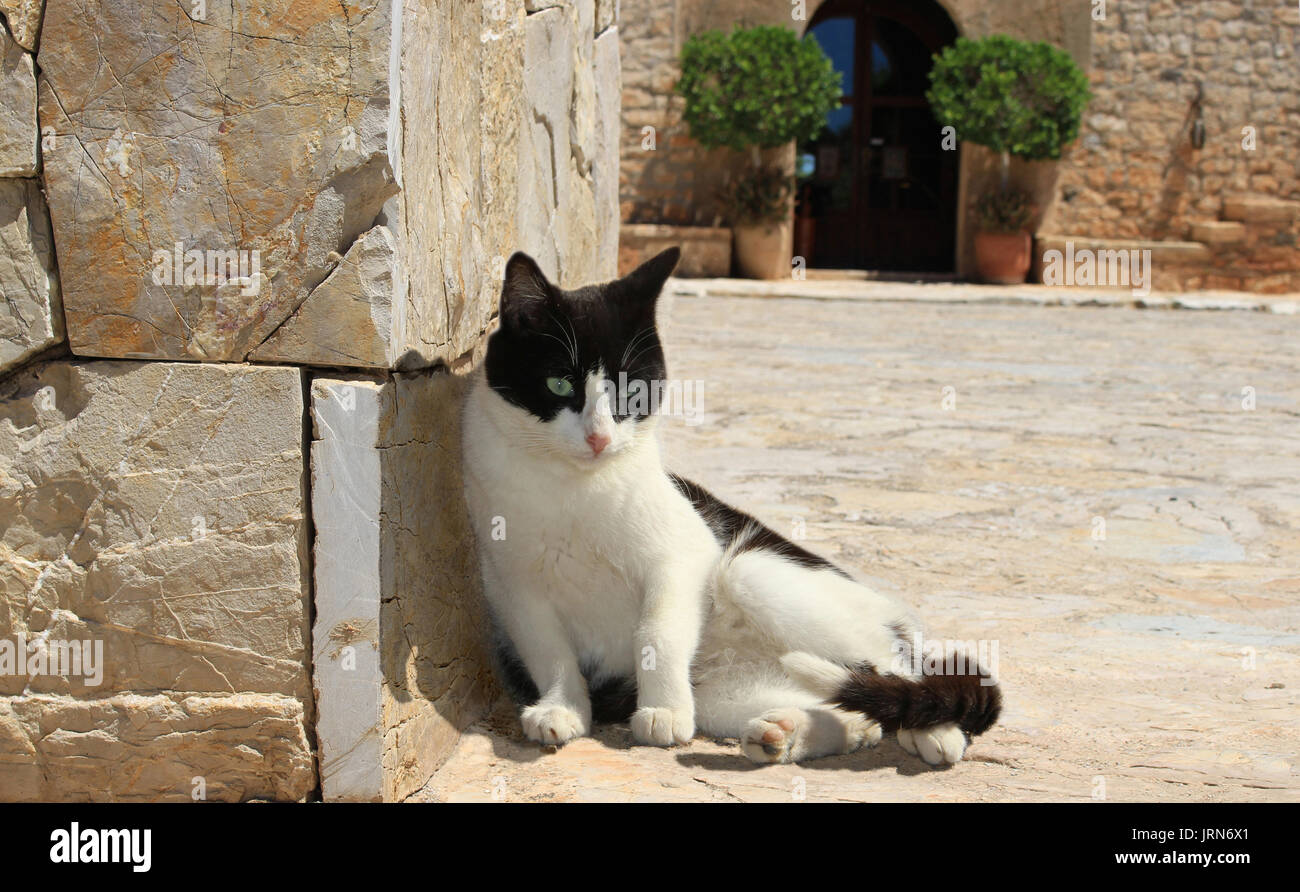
(756, 88)
(759, 86)
(760, 196)
(1004, 210)
(1016, 98)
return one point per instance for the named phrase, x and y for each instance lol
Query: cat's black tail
(894, 701)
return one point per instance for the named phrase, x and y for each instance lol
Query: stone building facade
(1224, 215)
(250, 251)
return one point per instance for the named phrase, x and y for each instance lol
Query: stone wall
(250, 251)
(1134, 172)
(1131, 175)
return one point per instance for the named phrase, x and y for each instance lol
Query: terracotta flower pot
(1003, 258)
(764, 251)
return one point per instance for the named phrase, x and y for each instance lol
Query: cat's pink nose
(597, 442)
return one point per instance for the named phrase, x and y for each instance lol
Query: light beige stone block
(606, 14)
(348, 320)
(461, 80)
(1112, 259)
(1260, 211)
(544, 137)
(17, 109)
(160, 747)
(346, 513)
(159, 510)
(31, 313)
(706, 250)
(400, 666)
(24, 17)
(1218, 232)
(558, 214)
(266, 128)
(608, 79)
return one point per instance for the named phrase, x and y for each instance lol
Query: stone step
(1260, 211)
(1113, 263)
(706, 250)
(1218, 232)
(1163, 252)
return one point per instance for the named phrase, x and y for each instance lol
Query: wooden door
(882, 190)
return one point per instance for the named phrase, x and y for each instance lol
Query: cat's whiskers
(571, 336)
(568, 349)
(639, 354)
(631, 345)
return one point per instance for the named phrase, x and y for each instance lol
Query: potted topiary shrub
(752, 90)
(1002, 242)
(757, 203)
(1016, 98)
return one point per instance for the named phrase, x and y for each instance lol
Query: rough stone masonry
(247, 252)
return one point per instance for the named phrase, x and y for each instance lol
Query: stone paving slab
(1161, 662)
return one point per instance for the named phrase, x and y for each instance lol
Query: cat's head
(572, 363)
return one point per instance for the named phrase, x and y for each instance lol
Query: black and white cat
(619, 590)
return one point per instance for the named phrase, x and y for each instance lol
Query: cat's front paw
(941, 745)
(552, 723)
(662, 725)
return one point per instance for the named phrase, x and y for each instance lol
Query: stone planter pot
(1003, 258)
(764, 251)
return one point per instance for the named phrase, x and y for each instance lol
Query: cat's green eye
(559, 386)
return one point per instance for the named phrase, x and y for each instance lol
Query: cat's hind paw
(940, 745)
(774, 736)
(552, 724)
(793, 735)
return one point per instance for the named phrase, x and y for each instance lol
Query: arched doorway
(880, 188)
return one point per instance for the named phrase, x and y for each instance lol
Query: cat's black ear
(647, 280)
(525, 293)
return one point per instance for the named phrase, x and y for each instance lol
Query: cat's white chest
(567, 564)
(597, 600)
(562, 547)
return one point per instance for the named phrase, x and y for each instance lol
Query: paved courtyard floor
(1110, 494)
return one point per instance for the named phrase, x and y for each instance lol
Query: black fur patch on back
(728, 523)
(899, 702)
